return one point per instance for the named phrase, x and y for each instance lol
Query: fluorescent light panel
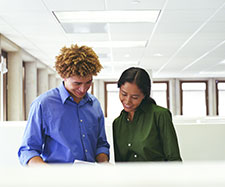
(113, 44)
(84, 28)
(107, 16)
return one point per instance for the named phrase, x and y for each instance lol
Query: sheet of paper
(84, 162)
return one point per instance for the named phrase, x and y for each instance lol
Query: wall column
(212, 96)
(177, 97)
(51, 81)
(42, 77)
(30, 84)
(15, 87)
(173, 96)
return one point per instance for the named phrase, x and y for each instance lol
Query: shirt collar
(86, 98)
(64, 94)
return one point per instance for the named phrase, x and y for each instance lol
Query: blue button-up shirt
(61, 130)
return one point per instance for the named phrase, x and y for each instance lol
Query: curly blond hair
(81, 61)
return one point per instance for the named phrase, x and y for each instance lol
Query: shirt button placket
(83, 135)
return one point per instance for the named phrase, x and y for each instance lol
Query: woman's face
(130, 96)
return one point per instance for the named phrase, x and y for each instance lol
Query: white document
(84, 162)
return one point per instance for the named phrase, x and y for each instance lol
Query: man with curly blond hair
(67, 123)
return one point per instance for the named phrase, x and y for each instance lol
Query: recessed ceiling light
(222, 62)
(158, 54)
(107, 16)
(135, 2)
(103, 55)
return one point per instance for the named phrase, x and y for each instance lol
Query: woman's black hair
(138, 76)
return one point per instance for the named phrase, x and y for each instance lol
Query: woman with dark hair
(144, 131)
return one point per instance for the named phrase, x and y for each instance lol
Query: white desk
(195, 174)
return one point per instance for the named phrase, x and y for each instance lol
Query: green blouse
(150, 136)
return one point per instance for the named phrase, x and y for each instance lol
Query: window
(220, 98)
(160, 93)
(113, 105)
(194, 98)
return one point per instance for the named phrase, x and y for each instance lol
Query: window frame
(217, 95)
(206, 94)
(167, 92)
(106, 95)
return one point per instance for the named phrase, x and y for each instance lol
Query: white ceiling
(188, 38)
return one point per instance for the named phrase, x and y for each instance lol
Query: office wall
(197, 142)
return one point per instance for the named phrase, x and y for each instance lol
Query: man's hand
(102, 157)
(37, 160)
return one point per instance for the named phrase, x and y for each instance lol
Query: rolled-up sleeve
(33, 137)
(102, 144)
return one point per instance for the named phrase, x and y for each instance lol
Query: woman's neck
(130, 116)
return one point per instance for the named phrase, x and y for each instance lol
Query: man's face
(78, 86)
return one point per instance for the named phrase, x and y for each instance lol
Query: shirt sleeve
(102, 144)
(33, 137)
(168, 136)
